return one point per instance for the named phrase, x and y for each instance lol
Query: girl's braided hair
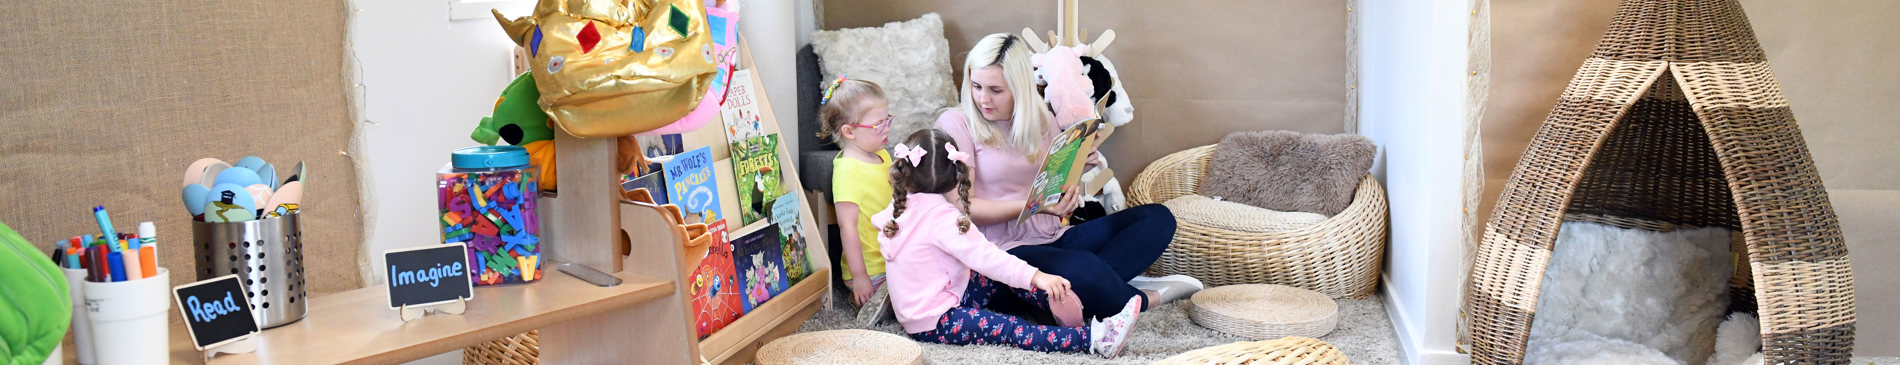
(935, 173)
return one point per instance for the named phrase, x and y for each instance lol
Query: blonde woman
(1009, 126)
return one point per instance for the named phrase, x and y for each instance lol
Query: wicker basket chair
(1339, 257)
(1674, 121)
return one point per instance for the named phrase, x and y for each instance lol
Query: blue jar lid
(490, 157)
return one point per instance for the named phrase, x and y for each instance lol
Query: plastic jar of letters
(486, 198)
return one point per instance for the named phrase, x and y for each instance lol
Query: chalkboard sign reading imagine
(215, 311)
(426, 275)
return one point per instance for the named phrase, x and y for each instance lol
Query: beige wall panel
(1196, 70)
(107, 103)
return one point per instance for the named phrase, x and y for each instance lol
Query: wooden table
(357, 326)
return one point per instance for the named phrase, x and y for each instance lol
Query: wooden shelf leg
(588, 205)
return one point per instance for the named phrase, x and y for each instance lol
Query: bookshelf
(645, 320)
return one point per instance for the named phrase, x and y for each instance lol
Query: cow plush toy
(1105, 88)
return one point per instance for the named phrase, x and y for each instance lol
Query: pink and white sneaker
(1112, 332)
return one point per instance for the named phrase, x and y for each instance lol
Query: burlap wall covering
(1197, 70)
(1834, 61)
(107, 102)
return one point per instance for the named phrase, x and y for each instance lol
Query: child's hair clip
(959, 156)
(907, 152)
(832, 87)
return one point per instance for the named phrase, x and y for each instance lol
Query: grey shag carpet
(1364, 335)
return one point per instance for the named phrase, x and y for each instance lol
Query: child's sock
(1107, 335)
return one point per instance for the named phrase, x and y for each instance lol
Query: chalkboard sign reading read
(427, 275)
(215, 311)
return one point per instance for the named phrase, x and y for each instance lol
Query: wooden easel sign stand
(429, 278)
(218, 316)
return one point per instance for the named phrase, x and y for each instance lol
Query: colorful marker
(96, 268)
(133, 271)
(105, 223)
(148, 248)
(117, 261)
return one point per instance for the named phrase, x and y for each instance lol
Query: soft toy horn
(614, 68)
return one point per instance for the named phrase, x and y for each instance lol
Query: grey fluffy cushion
(1289, 171)
(910, 60)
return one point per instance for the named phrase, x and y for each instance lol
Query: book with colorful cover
(715, 286)
(691, 184)
(655, 183)
(755, 170)
(741, 110)
(1068, 153)
(791, 237)
(760, 264)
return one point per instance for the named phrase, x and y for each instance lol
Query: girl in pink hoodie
(930, 253)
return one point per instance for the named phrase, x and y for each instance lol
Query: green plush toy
(35, 310)
(518, 119)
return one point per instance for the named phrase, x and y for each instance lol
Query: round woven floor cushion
(841, 347)
(1284, 351)
(1264, 311)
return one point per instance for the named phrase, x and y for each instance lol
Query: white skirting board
(1410, 352)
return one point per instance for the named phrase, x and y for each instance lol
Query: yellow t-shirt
(868, 186)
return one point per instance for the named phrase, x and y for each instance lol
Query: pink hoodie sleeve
(979, 254)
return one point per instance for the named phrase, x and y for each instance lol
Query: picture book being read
(1063, 167)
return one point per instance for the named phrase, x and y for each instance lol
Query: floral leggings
(969, 323)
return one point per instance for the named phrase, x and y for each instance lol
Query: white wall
(1411, 86)
(426, 80)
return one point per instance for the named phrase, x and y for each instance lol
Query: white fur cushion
(1664, 290)
(910, 60)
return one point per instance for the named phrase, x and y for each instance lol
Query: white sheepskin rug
(1624, 296)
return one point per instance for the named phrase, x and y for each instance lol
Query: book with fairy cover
(1068, 153)
(760, 264)
(715, 286)
(791, 237)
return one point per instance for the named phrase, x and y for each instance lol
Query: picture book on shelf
(791, 237)
(655, 183)
(1063, 167)
(661, 145)
(741, 111)
(714, 285)
(760, 264)
(690, 184)
(755, 170)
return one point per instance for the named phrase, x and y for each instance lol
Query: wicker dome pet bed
(1675, 120)
(1339, 256)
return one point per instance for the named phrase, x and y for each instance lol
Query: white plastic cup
(58, 357)
(82, 329)
(128, 320)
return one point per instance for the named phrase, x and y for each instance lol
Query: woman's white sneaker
(1167, 289)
